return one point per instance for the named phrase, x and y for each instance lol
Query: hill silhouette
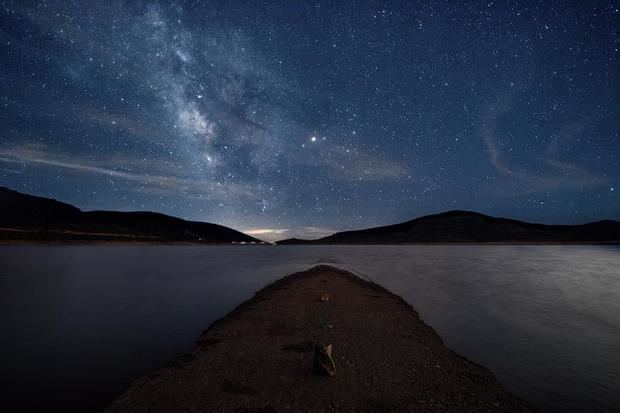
(27, 217)
(472, 227)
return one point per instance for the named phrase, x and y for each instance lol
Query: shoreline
(259, 357)
(9, 242)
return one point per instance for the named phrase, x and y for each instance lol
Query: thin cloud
(122, 122)
(312, 232)
(264, 231)
(555, 173)
(39, 155)
(267, 234)
(346, 164)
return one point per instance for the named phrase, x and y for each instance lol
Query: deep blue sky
(285, 119)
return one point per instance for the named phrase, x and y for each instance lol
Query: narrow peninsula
(262, 358)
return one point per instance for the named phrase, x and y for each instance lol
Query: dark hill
(468, 227)
(296, 241)
(27, 217)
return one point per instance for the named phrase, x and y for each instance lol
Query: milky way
(298, 119)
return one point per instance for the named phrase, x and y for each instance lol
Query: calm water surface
(80, 323)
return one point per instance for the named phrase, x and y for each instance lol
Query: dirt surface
(259, 358)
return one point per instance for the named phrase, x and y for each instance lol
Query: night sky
(299, 119)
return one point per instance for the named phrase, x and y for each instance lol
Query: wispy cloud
(40, 155)
(351, 164)
(278, 234)
(359, 166)
(551, 171)
(125, 123)
(318, 231)
(267, 234)
(311, 232)
(264, 231)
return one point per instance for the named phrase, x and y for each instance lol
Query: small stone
(323, 362)
(325, 297)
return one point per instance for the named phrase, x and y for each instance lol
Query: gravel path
(259, 358)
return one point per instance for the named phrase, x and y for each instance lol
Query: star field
(302, 118)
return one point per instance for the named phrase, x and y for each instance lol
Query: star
(199, 112)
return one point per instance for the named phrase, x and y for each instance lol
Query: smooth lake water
(79, 323)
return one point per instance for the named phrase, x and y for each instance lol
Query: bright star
(313, 139)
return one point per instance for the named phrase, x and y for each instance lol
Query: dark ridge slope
(466, 226)
(27, 217)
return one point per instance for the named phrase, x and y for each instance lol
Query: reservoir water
(79, 323)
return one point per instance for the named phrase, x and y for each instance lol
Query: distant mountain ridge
(472, 227)
(28, 217)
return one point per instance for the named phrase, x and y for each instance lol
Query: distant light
(313, 139)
